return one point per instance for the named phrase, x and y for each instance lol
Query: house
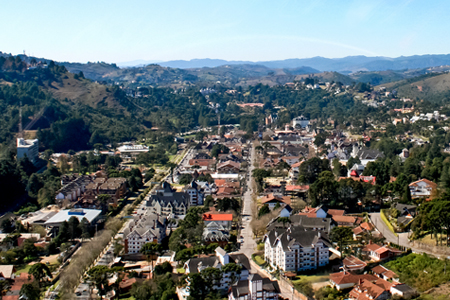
(271, 200)
(165, 201)
(14, 292)
(216, 233)
(143, 229)
(128, 152)
(255, 287)
(385, 273)
(316, 212)
(422, 188)
(296, 249)
(7, 272)
(219, 218)
(353, 264)
(290, 160)
(403, 290)
(345, 220)
(229, 167)
(201, 162)
(345, 280)
(296, 190)
(361, 229)
(378, 253)
(72, 189)
(285, 212)
(366, 289)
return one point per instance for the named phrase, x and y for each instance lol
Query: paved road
(249, 245)
(402, 238)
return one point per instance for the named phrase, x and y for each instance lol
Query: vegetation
(420, 270)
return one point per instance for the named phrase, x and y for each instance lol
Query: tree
(39, 272)
(150, 250)
(341, 235)
(406, 198)
(164, 268)
(310, 169)
(263, 210)
(7, 226)
(30, 290)
(74, 229)
(185, 179)
(141, 291)
(99, 275)
(324, 190)
(34, 185)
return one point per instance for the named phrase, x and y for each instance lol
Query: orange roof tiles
(217, 217)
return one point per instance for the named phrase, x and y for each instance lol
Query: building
(255, 287)
(142, 230)
(229, 167)
(28, 148)
(166, 202)
(219, 260)
(377, 253)
(345, 280)
(300, 122)
(91, 215)
(403, 290)
(219, 218)
(422, 188)
(308, 223)
(384, 273)
(72, 188)
(215, 233)
(296, 249)
(271, 200)
(129, 152)
(366, 289)
(353, 264)
(196, 196)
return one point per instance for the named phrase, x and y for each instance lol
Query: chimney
(370, 242)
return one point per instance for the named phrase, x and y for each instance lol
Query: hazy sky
(118, 31)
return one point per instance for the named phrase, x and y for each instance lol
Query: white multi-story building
(301, 122)
(143, 229)
(28, 148)
(220, 261)
(255, 287)
(296, 249)
(196, 197)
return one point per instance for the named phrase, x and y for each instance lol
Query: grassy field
(432, 241)
(23, 269)
(312, 278)
(259, 260)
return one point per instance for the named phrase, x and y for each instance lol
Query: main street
(249, 245)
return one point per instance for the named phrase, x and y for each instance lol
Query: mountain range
(347, 64)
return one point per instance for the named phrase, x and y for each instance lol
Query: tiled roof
(217, 217)
(346, 277)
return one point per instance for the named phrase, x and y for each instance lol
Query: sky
(255, 30)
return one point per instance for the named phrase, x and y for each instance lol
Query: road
(402, 238)
(249, 245)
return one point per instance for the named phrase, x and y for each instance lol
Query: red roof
(336, 212)
(297, 187)
(367, 226)
(346, 277)
(272, 197)
(354, 173)
(217, 217)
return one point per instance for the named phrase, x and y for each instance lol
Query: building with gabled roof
(345, 280)
(167, 202)
(296, 249)
(144, 229)
(353, 264)
(271, 200)
(422, 188)
(367, 290)
(255, 287)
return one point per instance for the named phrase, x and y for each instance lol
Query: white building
(422, 188)
(28, 148)
(255, 287)
(220, 260)
(301, 121)
(196, 197)
(144, 229)
(296, 249)
(128, 152)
